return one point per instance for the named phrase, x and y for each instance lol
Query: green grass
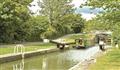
(40, 46)
(28, 47)
(110, 61)
(32, 46)
(88, 39)
(75, 36)
(71, 38)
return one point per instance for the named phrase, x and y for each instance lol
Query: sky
(77, 3)
(86, 12)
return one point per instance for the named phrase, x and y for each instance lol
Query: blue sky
(86, 12)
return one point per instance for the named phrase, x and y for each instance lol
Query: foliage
(54, 10)
(57, 18)
(109, 18)
(38, 25)
(13, 15)
(116, 33)
(74, 21)
(61, 18)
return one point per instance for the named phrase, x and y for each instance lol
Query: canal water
(62, 60)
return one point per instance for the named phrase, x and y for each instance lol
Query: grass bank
(9, 49)
(109, 61)
(32, 46)
(71, 37)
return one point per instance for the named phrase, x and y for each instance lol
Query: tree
(74, 21)
(38, 25)
(110, 16)
(54, 10)
(111, 11)
(13, 15)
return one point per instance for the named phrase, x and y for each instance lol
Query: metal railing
(19, 49)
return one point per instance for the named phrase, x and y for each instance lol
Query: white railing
(19, 49)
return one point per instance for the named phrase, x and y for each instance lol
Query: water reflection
(19, 66)
(44, 64)
(62, 60)
(54, 61)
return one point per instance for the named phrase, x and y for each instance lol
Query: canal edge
(18, 56)
(84, 64)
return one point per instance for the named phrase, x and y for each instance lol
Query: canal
(62, 60)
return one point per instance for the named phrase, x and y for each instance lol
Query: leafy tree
(74, 21)
(13, 15)
(38, 25)
(54, 10)
(109, 19)
(111, 10)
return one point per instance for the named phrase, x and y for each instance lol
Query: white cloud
(77, 3)
(34, 6)
(88, 16)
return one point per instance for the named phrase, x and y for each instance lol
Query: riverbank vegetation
(34, 46)
(108, 19)
(19, 24)
(56, 18)
(109, 61)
